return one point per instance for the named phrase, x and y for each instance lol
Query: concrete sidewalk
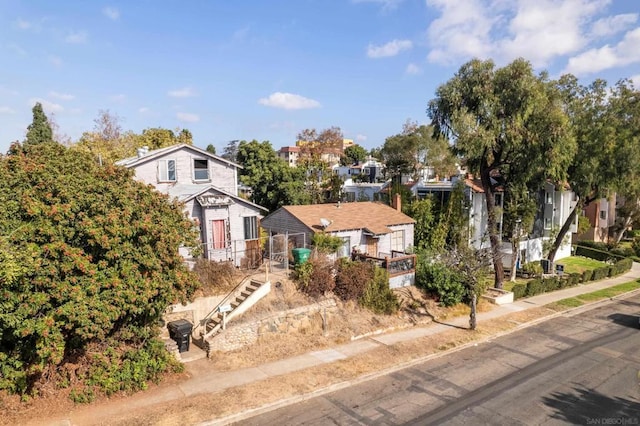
(211, 382)
(234, 378)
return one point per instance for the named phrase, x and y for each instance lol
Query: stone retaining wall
(237, 336)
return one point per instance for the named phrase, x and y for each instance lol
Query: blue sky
(266, 70)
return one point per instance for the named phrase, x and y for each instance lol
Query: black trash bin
(180, 332)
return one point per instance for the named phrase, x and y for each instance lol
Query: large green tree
(503, 122)
(39, 130)
(89, 263)
(354, 154)
(595, 170)
(273, 183)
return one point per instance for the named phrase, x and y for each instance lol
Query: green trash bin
(300, 255)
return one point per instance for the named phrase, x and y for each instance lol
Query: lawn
(579, 264)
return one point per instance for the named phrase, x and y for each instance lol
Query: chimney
(397, 202)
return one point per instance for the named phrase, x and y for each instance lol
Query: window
(350, 197)
(345, 249)
(397, 240)
(548, 197)
(200, 170)
(167, 170)
(251, 228)
(547, 223)
(497, 200)
(603, 214)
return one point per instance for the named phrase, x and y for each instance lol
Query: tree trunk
(626, 223)
(494, 239)
(515, 252)
(563, 231)
(472, 316)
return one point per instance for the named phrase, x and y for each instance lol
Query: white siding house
(207, 186)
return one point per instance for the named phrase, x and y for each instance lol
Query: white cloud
(613, 24)
(361, 138)
(540, 31)
(636, 80)
(413, 69)
(61, 96)
(111, 13)
(188, 117)
(185, 92)
(6, 110)
(288, 101)
(77, 37)
(391, 48)
(143, 110)
(593, 60)
(47, 106)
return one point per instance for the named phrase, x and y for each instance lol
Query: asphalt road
(580, 368)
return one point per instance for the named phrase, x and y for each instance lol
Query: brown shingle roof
(371, 216)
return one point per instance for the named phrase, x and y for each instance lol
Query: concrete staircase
(238, 301)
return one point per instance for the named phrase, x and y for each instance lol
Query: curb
(366, 377)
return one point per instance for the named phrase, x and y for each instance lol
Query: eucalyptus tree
(506, 123)
(595, 169)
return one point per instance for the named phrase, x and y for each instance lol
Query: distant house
(290, 154)
(602, 218)
(366, 227)
(207, 185)
(362, 191)
(370, 170)
(476, 204)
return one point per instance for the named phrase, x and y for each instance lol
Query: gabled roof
(187, 192)
(370, 216)
(134, 161)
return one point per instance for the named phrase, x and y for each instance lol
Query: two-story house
(207, 185)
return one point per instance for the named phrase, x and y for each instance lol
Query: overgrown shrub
(352, 278)
(326, 243)
(441, 281)
(215, 277)
(519, 291)
(378, 296)
(315, 276)
(635, 245)
(532, 268)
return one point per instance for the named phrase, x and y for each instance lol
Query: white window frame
(200, 169)
(397, 236)
(163, 170)
(547, 223)
(548, 196)
(250, 226)
(345, 249)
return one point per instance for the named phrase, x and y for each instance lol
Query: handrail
(207, 318)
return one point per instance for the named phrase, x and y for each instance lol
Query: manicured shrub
(621, 267)
(573, 279)
(550, 284)
(587, 275)
(597, 254)
(535, 287)
(600, 273)
(532, 268)
(519, 291)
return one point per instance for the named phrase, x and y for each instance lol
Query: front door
(372, 246)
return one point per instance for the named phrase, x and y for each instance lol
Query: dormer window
(167, 170)
(200, 169)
